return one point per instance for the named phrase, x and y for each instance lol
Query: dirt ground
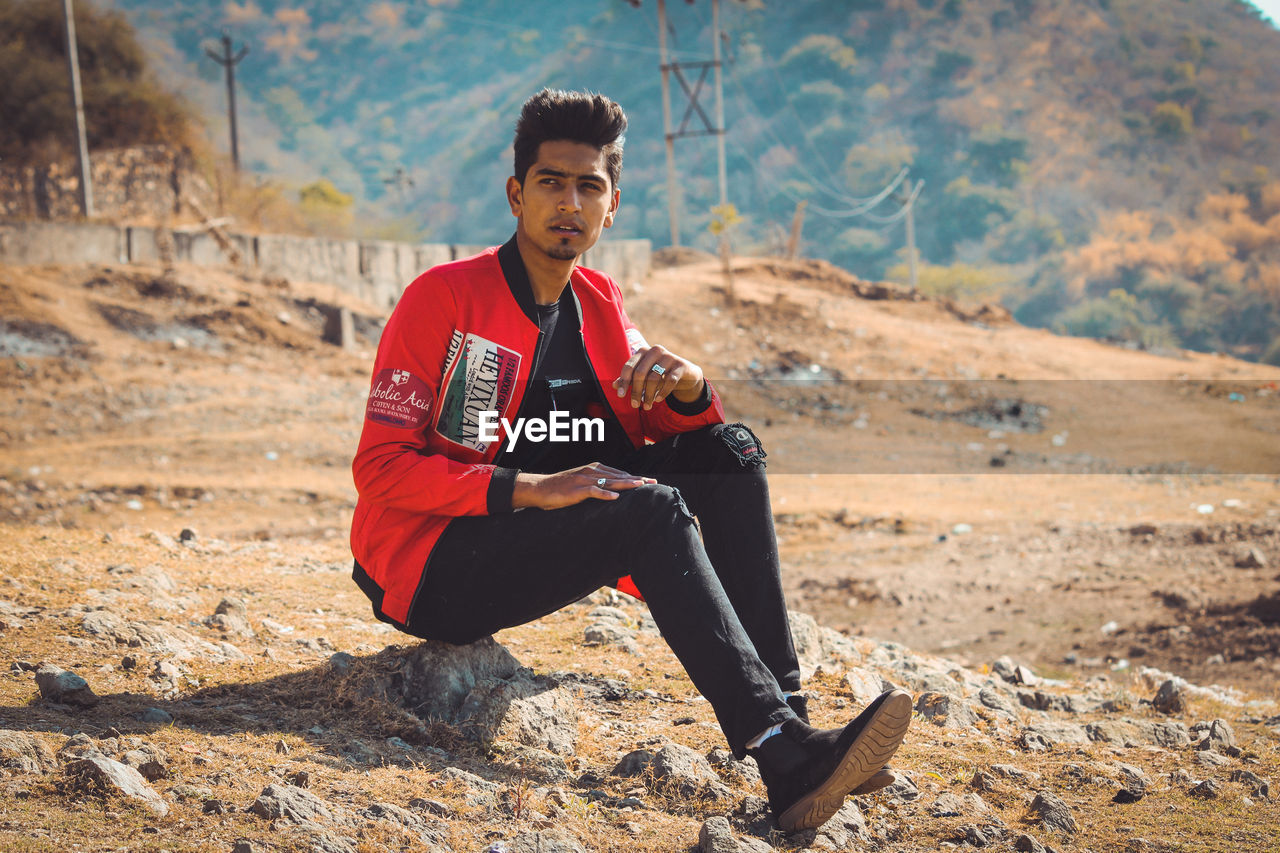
(941, 475)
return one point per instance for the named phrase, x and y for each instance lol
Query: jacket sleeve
(392, 466)
(672, 417)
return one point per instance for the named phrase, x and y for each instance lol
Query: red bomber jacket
(461, 341)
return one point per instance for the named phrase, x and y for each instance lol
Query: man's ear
(515, 196)
(613, 209)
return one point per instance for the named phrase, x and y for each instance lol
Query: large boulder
(23, 752)
(101, 774)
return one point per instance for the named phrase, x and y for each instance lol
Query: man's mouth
(566, 230)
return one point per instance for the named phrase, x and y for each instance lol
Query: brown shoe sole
(866, 757)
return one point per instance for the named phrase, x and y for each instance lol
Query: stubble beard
(561, 252)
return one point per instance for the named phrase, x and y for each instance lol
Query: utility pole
(673, 189)
(229, 62)
(82, 145)
(710, 127)
(909, 212)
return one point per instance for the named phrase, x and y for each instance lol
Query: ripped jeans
(716, 597)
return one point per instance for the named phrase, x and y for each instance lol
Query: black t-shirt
(561, 381)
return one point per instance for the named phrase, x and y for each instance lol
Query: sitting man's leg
(492, 572)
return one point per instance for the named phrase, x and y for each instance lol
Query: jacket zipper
(524, 398)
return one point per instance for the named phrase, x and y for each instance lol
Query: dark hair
(553, 114)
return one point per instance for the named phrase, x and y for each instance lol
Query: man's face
(565, 200)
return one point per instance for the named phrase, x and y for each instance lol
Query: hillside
(1104, 167)
(172, 442)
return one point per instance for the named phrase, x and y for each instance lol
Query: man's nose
(569, 199)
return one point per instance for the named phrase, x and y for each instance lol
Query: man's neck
(547, 276)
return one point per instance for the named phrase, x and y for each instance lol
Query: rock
(1027, 844)
(231, 616)
(716, 837)
(406, 820)
(59, 685)
(1054, 814)
(290, 804)
(1257, 786)
(98, 773)
(1017, 774)
(740, 772)
(818, 646)
(156, 715)
(903, 789)
(555, 841)
(610, 634)
(633, 763)
(215, 806)
(1170, 698)
(947, 805)
(845, 830)
(1042, 736)
(188, 535)
(525, 710)
(994, 700)
(244, 846)
(983, 836)
(1211, 760)
(1217, 735)
(864, 684)
(950, 712)
(1113, 731)
(150, 761)
(1209, 789)
(1005, 668)
(681, 770)
(433, 678)
(341, 662)
(1170, 735)
(1251, 558)
(23, 752)
(431, 807)
(480, 792)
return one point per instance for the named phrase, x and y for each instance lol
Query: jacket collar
(518, 281)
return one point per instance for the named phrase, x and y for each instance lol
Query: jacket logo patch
(398, 399)
(479, 376)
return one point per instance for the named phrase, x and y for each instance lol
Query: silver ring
(601, 482)
(658, 369)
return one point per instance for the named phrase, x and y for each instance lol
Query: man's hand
(566, 488)
(650, 375)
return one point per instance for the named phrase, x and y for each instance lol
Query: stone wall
(143, 183)
(375, 270)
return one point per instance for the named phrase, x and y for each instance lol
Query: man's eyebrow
(560, 173)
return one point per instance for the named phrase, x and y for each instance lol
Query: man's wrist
(691, 395)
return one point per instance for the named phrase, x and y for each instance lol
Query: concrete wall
(375, 270)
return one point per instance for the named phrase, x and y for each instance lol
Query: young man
(466, 525)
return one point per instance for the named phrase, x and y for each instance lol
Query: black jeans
(716, 598)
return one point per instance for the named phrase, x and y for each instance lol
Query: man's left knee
(742, 443)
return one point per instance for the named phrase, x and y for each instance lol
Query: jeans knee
(656, 502)
(737, 442)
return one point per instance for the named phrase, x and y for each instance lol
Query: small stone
(98, 773)
(213, 806)
(1251, 558)
(59, 685)
(244, 846)
(156, 715)
(946, 710)
(129, 662)
(1258, 786)
(1209, 789)
(717, 837)
(1054, 814)
(1170, 698)
(1027, 844)
(188, 535)
(341, 662)
(1128, 795)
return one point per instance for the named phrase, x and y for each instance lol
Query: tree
(124, 105)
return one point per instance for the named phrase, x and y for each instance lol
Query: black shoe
(808, 772)
(799, 704)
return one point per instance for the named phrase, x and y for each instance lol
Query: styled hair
(584, 117)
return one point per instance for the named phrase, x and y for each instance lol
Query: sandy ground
(941, 476)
